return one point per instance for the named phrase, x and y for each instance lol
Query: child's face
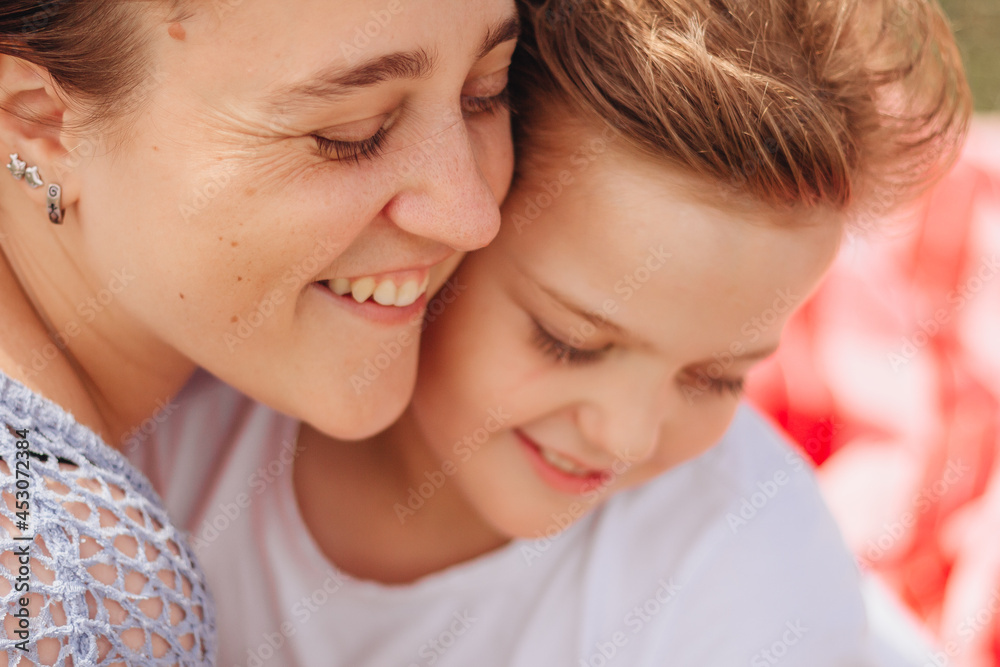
(603, 338)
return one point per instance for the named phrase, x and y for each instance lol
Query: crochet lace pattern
(112, 581)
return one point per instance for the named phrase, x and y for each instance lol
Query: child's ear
(33, 123)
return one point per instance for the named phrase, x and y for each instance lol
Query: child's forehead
(680, 276)
(559, 142)
(588, 166)
(597, 215)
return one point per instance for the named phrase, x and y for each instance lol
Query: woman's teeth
(384, 293)
(562, 463)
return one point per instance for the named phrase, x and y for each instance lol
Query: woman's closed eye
(372, 147)
(562, 352)
(352, 151)
(486, 94)
(489, 104)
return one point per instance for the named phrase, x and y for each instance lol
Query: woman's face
(291, 150)
(604, 336)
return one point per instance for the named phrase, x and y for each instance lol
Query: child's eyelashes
(562, 352)
(352, 151)
(727, 386)
(702, 382)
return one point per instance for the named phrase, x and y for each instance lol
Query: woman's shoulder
(87, 551)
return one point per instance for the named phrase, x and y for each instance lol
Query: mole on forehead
(176, 30)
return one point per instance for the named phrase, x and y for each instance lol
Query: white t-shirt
(729, 559)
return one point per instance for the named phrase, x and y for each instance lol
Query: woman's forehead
(345, 34)
(279, 57)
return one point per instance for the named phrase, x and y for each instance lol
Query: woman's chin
(362, 414)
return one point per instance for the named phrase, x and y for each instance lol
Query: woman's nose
(444, 195)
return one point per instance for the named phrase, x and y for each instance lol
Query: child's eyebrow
(756, 355)
(598, 319)
(602, 321)
(750, 355)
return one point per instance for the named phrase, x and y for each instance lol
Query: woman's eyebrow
(334, 81)
(504, 31)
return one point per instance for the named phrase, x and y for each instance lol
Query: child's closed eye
(562, 352)
(701, 381)
(726, 385)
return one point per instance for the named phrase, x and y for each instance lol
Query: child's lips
(561, 472)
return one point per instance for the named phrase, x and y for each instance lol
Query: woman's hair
(794, 102)
(95, 50)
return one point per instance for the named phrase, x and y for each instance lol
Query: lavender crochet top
(92, 571)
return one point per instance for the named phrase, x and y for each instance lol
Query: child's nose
(626, 427)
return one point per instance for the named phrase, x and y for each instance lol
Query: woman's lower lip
(373, 312)
(559, 480)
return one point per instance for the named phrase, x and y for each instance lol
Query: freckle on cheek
(176, 30)
(181, 294)
(235, 319)
(234, 244)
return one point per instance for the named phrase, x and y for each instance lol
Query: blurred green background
(977, 26)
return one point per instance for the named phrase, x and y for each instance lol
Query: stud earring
(33, 178)
(17, 166)
(53, 202)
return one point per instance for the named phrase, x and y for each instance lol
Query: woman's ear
(34, 124)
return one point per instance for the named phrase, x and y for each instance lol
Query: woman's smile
(388, 290)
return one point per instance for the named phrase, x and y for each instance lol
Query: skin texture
(210, 221)
(690, 285)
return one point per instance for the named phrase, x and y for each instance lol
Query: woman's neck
(89, 366)
(357, 500)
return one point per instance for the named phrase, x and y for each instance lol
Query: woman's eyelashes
(562, 352)
(372, 147)
(352, 151)
(491, 104)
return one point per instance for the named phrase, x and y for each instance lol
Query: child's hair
(794, 102)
